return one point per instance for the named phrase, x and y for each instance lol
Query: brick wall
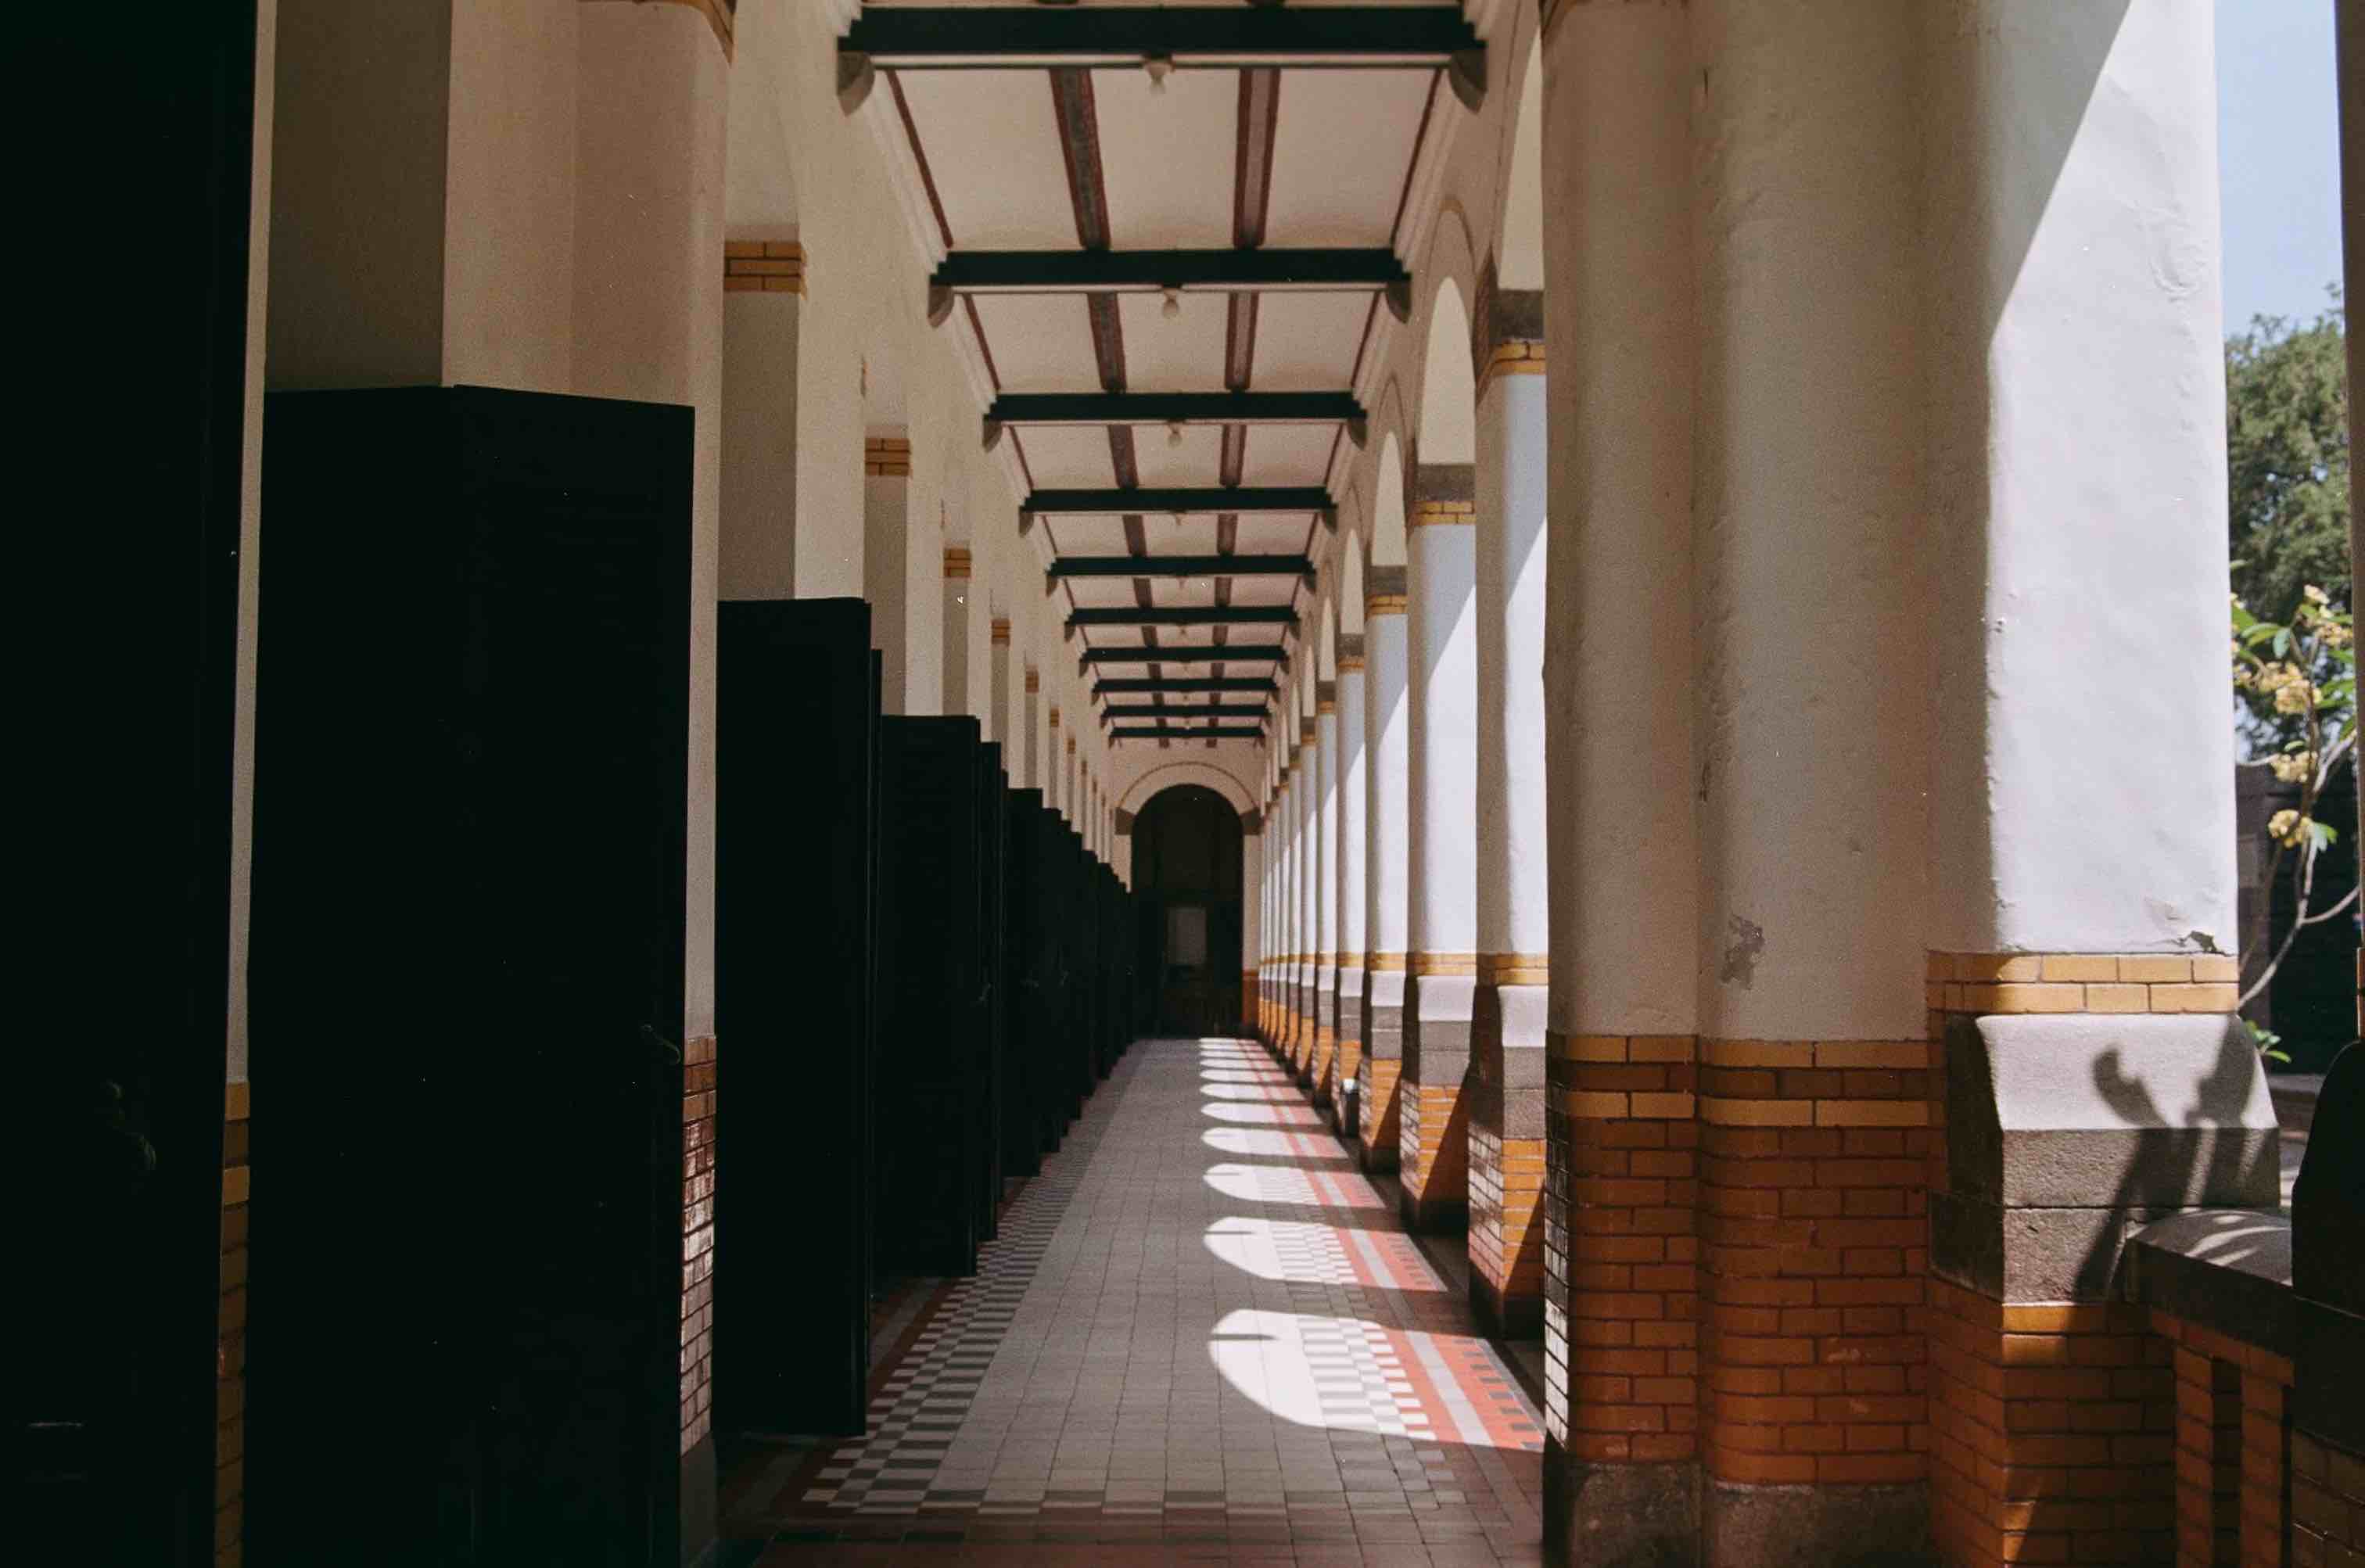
(2052, 1432)
(1506, 1186)
(229, 1343)
(2327, 1506)
(697, 1240)
(1813, 1245)
(1433, 1142)
(1621, 1247)
(1378, 1119)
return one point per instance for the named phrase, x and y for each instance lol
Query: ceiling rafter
(1179, 684)
(1023, 408)
(1236, 653)
(1181, 38)
(1146, 566)
(1097, 271)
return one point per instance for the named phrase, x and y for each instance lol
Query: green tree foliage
(2287, 445)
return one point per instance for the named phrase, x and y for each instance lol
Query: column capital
(719, 14)
(1387, 594)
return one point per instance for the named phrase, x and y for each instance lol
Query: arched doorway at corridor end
(1186, 880)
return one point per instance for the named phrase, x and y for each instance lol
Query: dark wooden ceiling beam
(1184, 615)
(1182, 684)
(1100, 272)
(1197, 732)
(1214, 499)
(1185, 38)
(1179, 567)
(1119, 713)
(1235, 653)
(1020, 409)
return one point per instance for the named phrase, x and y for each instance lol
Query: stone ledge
(2227, 1270)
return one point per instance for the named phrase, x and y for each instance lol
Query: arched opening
(1186, 880)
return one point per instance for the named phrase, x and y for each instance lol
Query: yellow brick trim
(1897, 1054)
(1443, 514)
(1034, 680)
(1385, 604)
(1612, 1048)
(955, 561)
(763, 267)
(1351, 664)
(238, 1103)
(1384, 963)
(1326, 706)
(1000, 632)
(1072, 745)
(1442, 963)
(1350, 960)
(886, 457)
(1515, 969)
(1054, 716)
(1305, 732)
(1512, 356)
(2083, 982)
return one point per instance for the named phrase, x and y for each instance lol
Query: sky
(2279, 152)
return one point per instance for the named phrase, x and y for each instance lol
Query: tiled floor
(1202, 1336)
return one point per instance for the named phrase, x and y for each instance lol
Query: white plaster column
(763, 284)
(1347, 1002)
(2081, 823)
(1623, 868)
(998, 726)
(1326, 888)
(1442, 690)
(886, 537)
(955, 620)
(1309, 877)
(1387, 726)
(1030, 731)
(1508, 1008)
(652, 106)
(1252, 896)
(1811, 709)
(1285, 910)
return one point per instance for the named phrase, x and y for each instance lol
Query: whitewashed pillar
(1386, 729)
(1347, 1004)
(1441, 829)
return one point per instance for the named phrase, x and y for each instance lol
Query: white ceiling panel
(1265, 590)
(1165, 536)
(1184, 353)
(992, 138)
(1285, 455)
(1087, 535)
(1069, 457)
(1158, 200)
(1271, 533)
(1101, 593)
(1039, 343)
(1308, 343)
(1340, 150)
(1195, 461)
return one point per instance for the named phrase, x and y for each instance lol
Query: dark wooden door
(931, 1131)
(796, 740)
(469, 890)
(126, 562)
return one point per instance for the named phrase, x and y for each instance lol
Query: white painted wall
(509, 289)
(1624, 788)
(2081, 780)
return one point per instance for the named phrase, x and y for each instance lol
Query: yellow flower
(2315, 595)
(2294, 767)
(2294, 697)
(2286, 827)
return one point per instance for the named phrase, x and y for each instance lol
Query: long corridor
(1201, 1335)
